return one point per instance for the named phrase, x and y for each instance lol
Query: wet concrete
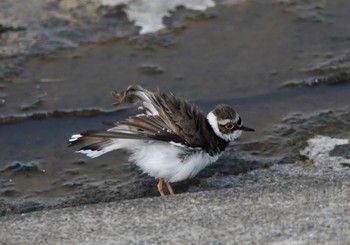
(283, 65)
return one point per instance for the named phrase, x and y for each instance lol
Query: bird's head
(226, 122)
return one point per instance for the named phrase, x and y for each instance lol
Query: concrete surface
(287, 210)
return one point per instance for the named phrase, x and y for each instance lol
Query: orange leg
(160, 187)
(170, 189)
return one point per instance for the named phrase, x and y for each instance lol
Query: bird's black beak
(244, 128)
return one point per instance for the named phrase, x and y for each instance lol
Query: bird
(170, 140)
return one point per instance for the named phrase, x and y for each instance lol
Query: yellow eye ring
(229, 126)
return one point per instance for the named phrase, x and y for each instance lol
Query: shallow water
(249, 55)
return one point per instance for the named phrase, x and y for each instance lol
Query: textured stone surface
(291, 211)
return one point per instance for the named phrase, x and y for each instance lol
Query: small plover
(170, 139)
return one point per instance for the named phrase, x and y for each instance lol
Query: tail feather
(98, 149)
(97, 143)
(94, 146)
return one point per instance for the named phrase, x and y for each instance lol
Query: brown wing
(139, 127)
(182, 119)
(148, 127)
(164, 117)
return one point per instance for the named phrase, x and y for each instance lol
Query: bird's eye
(229, 126)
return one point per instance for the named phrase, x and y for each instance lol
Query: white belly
(163, 160)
